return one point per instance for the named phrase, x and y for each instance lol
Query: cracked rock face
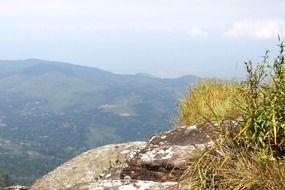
(85, 168)
(167, 153)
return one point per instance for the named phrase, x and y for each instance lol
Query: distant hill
(51, 111)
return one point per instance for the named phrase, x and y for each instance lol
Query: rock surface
(131, 166)
(126, 185)
(167, 153)
(86, 167)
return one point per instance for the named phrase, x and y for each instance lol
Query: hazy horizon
(169, 38)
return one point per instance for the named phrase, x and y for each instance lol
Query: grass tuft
(208, 100)
(225, 167)
(252, 158)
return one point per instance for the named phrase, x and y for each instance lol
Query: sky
(165, 38)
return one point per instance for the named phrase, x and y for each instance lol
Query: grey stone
(167, 153)
(87, 167)
(132, 166)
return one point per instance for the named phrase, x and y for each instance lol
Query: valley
(52, 111)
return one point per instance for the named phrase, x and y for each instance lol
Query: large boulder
(132, 166)
(87, 167)
(167, 153)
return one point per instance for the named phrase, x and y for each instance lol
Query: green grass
(253, 158)
(227, 167)
(208, 100)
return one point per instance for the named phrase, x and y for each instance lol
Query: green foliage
(115, 163)
(208, 100)
(253, 158)
(224, 166)
(263, 106)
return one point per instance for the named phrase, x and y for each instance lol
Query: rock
(87, 167)
(126, 185)
(132, 166)
(16, 187)
(167, 153)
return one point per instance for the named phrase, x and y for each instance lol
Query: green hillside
(50, 111)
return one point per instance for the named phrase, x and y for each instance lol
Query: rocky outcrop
(167, 154)
(87, 167)
(131, 166)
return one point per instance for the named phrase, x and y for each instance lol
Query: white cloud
(196, 32)
(263, 29)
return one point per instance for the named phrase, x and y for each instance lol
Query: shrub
(263, 106)
(208, 100)
(226, 167)
(254, 158)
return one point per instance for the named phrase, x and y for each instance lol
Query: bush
(253, 158)
(226, 167)
(208, 100)
(263, 106)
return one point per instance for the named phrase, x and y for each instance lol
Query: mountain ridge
(35, 61)
(51, 111)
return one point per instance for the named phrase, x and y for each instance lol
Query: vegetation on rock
(253, 157)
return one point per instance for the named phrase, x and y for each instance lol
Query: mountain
(51, 111)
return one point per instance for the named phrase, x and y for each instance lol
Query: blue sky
(166, 38)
